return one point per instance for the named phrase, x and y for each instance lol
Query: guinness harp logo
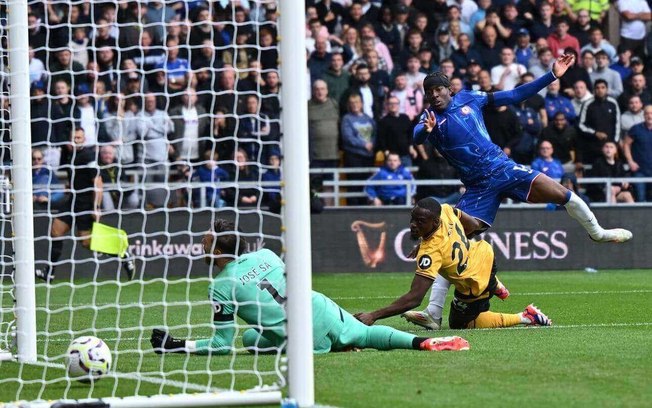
(370, 256)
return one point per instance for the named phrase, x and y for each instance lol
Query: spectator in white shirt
(467, 8)
(154, 125)
(78, 44)
(87, 115)
(633, 115)
(414, 76)
(37, 71)
(506, 75)
(582, 94)
(634, 14)
(191, 128)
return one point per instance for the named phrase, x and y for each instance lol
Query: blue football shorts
(482, 199)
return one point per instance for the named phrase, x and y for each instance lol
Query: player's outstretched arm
(220, 343)
(409, 301)
(521, 93)
(163, 342)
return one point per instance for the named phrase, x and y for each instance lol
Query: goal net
(167, 114)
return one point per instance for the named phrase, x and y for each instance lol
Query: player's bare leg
(85, 238)
(546, 190)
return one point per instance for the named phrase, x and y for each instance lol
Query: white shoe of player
(615, 235)
(422, 319)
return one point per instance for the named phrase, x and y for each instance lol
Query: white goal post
(48, 315)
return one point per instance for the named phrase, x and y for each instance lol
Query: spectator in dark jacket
(372, 103)
(563, 138)
(395, 133)
(41, 112)
(272, 195)
(610, 165)
(243, 171)
(599, 122)
(503, 127)
(523, 149)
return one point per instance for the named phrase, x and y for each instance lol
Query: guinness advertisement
(360, 240)
(523, 239)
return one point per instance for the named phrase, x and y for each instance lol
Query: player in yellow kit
(467, 265)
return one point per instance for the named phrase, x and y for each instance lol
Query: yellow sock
(487, 320)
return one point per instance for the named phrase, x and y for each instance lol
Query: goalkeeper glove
(162, 342)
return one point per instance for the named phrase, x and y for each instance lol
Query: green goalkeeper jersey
(253, 288)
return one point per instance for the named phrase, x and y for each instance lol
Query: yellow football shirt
(464, 263)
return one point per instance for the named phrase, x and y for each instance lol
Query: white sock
(191, 346)
(578, 209)
(524, 320)
(438, 297)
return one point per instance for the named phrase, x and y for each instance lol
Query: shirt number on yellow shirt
(459, 252)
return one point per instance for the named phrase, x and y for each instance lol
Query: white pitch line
(562, 326)
(569, 293)
(204, 303)
(137, 377)
(554, 326)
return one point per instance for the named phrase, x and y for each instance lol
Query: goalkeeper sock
(416, 342)
(577, 209)
(438, 298)
(491, 320)
(387, 338)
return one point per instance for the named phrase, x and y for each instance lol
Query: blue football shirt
(462, 138)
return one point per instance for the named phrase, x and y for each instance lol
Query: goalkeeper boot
(501, 291)
(453, 343)
(45, 274)
(615, 235)
(422, 319)
(536, 316)
(129, 264)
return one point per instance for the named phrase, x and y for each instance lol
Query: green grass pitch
(597, 354)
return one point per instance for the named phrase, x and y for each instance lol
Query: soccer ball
(88, 359)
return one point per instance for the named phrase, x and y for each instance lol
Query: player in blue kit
(455, 127)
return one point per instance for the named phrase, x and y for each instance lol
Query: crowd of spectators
(190, 90)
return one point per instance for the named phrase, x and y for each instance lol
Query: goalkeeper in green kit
(252, 286)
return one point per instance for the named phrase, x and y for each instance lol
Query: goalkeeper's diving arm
(220, 343)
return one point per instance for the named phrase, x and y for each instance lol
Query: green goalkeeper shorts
(335, 329)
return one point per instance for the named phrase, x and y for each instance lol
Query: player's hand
(429, 121)
(562, 64)
(162, 342)
(601, 135)
(365, 318)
